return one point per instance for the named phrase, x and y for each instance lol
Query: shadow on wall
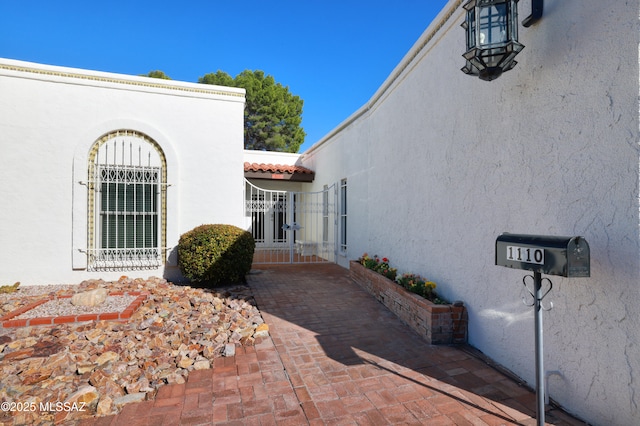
(171, 270)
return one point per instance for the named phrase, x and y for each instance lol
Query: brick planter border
(437, 324)
(7, 320)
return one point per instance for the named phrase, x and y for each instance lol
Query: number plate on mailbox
(526, 254)
(565, 256)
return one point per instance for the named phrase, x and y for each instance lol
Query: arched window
(127, 204)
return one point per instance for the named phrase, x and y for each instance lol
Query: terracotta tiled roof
(275, 168)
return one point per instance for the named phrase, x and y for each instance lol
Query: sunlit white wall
(49, 119)
(439, 164)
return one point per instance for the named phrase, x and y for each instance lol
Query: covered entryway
(291, 227)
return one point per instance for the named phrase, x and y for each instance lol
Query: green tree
(272, 115)
(157, 74)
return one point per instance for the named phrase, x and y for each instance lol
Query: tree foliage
(272, 115)
(157, 74)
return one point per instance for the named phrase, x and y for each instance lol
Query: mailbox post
(553, 255)
(292, 237)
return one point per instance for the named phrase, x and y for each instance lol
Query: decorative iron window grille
(256, 208)
(127, 217)
(127, 204)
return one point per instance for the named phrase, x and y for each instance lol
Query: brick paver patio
(336, 356)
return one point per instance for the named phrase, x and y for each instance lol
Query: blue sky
(333, 54)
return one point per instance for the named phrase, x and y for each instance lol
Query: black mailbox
(553, 255)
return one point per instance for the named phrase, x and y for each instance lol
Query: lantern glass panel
(494, 28)
(471, 32)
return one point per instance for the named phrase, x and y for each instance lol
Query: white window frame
(343, 217)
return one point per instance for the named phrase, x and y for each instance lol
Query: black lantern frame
(492, 37)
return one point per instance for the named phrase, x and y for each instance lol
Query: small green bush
(216, 254)
(9, 288)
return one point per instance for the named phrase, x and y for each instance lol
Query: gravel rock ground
(62, 307)
(49, 372)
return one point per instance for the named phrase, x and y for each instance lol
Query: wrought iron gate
(292, 227)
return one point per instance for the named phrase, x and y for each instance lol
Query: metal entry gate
(292, 227)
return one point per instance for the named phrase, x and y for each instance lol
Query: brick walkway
(336, 356)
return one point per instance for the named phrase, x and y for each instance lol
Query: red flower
(384, 259)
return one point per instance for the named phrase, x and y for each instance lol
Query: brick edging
(438, 324)
(8, 322)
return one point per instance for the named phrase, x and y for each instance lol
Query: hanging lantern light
(492, 37)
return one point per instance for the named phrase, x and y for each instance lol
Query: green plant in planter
(368, 262)
(378, 265)
(384, 269)
(216, 254)
(412, 282)
(419, 285)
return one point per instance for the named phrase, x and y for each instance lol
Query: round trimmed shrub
(216, 254)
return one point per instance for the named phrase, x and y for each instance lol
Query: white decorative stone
(90, 298)
(229, 349)
(127, 399)
(202, 364)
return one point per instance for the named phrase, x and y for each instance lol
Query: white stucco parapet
(22, 69)
(271, 157)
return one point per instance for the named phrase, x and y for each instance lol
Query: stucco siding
(51, 116)
(441, 163)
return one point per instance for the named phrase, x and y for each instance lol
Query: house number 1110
(526, 254)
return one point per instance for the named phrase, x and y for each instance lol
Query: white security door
(291, 227)
(268, 213)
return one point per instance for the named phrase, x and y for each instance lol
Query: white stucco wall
(439, 164)
(271, 157)
(51, 116)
